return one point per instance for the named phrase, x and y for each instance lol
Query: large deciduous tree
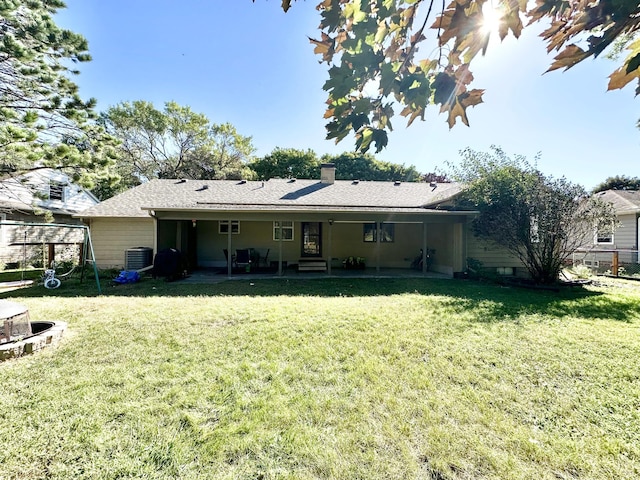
(293, 163)
(539, 219)
(372, 48)
(287, 163)
(358, 166)
(619, 182)
(175, 142)
(43, 120)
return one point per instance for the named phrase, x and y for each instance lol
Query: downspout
(152, 214)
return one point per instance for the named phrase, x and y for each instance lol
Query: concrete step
(305, 265)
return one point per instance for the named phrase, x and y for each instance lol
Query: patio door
(311, 239)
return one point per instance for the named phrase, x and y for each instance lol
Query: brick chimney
(328, 173)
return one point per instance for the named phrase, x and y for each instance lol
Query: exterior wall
(492, 255)
(625, 236)
(112, 237)
(339, 241)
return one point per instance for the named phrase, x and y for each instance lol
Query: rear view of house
(314, 224)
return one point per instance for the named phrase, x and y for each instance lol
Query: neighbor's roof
(624, 201)
(274, 194)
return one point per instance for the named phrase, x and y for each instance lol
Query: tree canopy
(287, 163)
(359, 166)
(43, 120)
(175, 142)
(539, 219)
(372, 49)
(293, 163)
(619, 182)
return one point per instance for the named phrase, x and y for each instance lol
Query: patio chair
(243, 259)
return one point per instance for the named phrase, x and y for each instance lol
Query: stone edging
(48, 338)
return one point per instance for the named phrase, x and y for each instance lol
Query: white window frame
(387, 232)
(287, 226)
(597, 236)
(223, 227)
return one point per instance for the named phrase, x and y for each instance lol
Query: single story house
(597, 251)
(291, 223)
(24, 200)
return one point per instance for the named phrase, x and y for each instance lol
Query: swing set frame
(88, 254)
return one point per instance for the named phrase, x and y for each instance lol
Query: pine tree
(43, 120)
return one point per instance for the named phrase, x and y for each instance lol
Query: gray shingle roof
(274, 194)
(624, 201)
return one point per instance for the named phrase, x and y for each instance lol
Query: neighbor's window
(287, 230)
(604, 234)
(387, 232)
(56, 191)
(223, 227)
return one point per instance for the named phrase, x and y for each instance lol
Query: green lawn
(327, 379)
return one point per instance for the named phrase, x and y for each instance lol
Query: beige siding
(346, 240)
(112, 237)
(491, 254)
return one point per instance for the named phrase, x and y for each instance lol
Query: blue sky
(251, 64)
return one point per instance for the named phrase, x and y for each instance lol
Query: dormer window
(56, 190)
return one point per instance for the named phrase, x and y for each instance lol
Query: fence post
(614, 265)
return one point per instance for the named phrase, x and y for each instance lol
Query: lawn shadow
(496, 302)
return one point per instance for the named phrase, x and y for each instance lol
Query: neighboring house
(597, 250)
(25, 199)
(626, 204)
(310, 224)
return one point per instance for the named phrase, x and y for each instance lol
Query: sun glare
(492, 16)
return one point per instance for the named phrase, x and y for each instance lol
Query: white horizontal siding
(111, 238)
(625, 235)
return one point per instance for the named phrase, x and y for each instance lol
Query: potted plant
(354, 263)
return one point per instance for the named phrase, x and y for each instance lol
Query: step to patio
(312, 265)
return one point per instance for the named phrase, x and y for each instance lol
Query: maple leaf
(620, 78)
(457, 110)
(569, 57)
(323, 47)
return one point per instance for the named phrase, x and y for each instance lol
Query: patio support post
(424, 247)
(330, 254)
(378, 238)
(280, 247)
(229, 254)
